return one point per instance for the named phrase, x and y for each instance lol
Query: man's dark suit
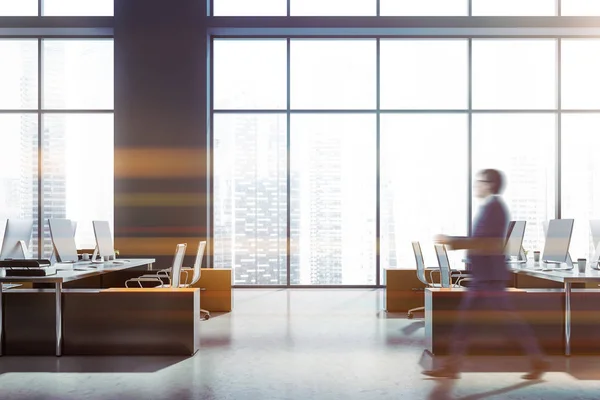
(487, 289)
(486, 244)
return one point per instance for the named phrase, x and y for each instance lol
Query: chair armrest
(185, 272)
(456, 273)
(164, 271)
(155, 276)
(146, 278)
(431, 271)
(464, 279)
(159, 274)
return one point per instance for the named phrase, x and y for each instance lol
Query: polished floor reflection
(296, 344)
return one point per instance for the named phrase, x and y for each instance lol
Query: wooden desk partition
(531, 282)
(403, 290)
(540, 308)
(217, 295)
(103, 322)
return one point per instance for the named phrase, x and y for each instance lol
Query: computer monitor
(514, 240)
(595, 259)
(511, 225)
(53, 254)
(3, 223)
(595, 229)
(558, 240)
(104, 240)
(63, 239)
(17, 238)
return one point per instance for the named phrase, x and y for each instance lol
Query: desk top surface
(75, 271)
(540, 270)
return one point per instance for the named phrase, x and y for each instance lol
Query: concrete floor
(296, 344)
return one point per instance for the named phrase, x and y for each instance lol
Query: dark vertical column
(160, 127)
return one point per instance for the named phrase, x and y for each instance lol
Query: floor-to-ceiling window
(56, 124)
(580, 123)
(77, 134)
(333, 131)
(515, 122)
(376, 135)
(424, 145)
(250, 168)
(19, 124)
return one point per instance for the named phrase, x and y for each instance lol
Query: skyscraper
(28, 180)
(53, 139)
(250, 191)
(528, 185)
(324, 210)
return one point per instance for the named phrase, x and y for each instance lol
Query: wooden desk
(568, 278)
(540, 308)
(64, 276)
(156, 321)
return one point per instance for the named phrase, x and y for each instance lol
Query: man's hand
(443, 239)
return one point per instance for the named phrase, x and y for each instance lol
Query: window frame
(210, 5)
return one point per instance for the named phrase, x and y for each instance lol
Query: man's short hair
(495, 178)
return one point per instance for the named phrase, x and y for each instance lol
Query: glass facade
(333, 148)
(66, 117)
(394, 129)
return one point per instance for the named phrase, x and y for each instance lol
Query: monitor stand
(101, 259)
(568, 261)
(24, 250)
(595, 260)
(522, 256)
(95, 255)
(54, 258)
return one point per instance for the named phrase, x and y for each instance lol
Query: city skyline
(423, 162)
(64, 136)
(333, 155)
